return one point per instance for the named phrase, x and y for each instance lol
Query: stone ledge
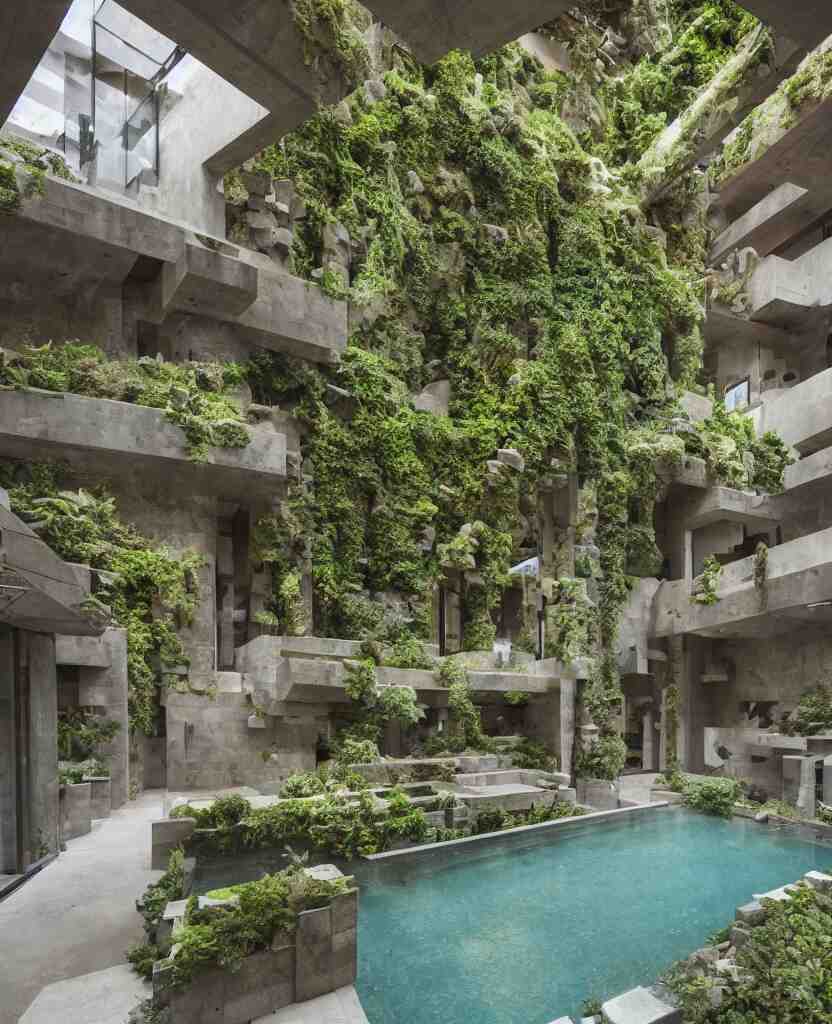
(32, 421)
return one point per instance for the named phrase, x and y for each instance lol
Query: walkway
(78, 915)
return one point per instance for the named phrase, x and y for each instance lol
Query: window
(737, 396)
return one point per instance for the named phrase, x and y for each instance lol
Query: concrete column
(806, 799)
(453, 614)
(43, 743)
(107, 689)
(567, 724)
(8, 755)
(648, 740)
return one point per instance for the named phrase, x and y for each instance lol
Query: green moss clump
(194, 396)
(37, 162)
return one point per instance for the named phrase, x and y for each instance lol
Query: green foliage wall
(151, 591)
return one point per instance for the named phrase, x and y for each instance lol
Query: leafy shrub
(158, 894)
(304, 784)
(399, 703)
(712, 796)
(813, 714)
(529, 754)
(223, 936)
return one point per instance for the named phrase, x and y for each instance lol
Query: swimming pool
(523, 932)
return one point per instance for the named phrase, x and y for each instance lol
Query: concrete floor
(78, 915)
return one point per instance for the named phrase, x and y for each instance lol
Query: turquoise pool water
(523, 933)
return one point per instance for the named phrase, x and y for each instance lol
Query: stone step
(640, 1006)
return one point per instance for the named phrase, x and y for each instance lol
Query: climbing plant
(151, 591)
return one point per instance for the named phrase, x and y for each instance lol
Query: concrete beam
(799, 157)
(775, 219)
(26, 31)
(87, 651)
(725, 504)
(39, 591)
(808, 22)
(42, 423)
(797, 589)
(197, 273)
(254, 45)
(433, 27)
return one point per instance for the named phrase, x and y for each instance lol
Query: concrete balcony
(725, 504)
(793, 294)
(797, 591)
(276, 681)
(803, 419)
(87, 241)
(39, 591)
(131, 438)
(792, 156)
(812, 469)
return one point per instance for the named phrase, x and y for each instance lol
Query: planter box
(100, 796)
(318, 957)
(76, 815)
(598, 793)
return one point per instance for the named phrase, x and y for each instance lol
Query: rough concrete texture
(640, 1006)
(88, 242)
(432, 28)
(26, 31)
(103, 997)
(53, 593)
(340, 1007)
(89, 892)
(44, 419)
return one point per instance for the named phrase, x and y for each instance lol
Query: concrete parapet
(75, 810)
(37, 421)
(86, 651)
(100, 797)
(166, 835)
(194, 273)
(598, 793)
(640, 1006)
(799, 576)
(319, 956)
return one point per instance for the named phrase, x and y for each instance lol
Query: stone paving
(78, 915)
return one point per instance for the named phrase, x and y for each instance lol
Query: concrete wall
(210, 744)
(191, 133)
(8, 755)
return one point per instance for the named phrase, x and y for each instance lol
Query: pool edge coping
(486, 837)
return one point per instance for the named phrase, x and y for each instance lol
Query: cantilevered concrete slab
(808, 22)
(256, 46)
(26, 30)
(776, 218)
(797, 590)
(433, 27)
(89, 237)
(803, 416)
(726, 504)
(39, 591)
(793, 293)
(799, 157)
(46, 424)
